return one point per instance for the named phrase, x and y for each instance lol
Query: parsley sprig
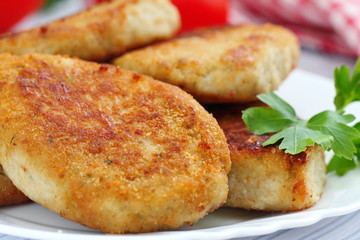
(332, 130)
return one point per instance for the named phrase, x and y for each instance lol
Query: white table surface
(343, 227)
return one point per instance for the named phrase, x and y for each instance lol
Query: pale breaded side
(99, 33)
(9, 194)
(265, 178)
(108, 148)
(231, 64)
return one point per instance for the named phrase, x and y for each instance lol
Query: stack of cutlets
(225, 69)
(121, 149)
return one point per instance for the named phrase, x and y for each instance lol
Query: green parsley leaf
(347, 88)
(357, 141)
(293, 133)
(329, 129)
(297, 138)
(334, 124)
(261, 120)
(342, 165)
(50, 3)
(279, 104)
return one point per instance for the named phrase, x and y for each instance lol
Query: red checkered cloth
(329, 25)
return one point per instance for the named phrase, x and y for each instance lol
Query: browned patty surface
(230, 64)
(108, 148)
(99, 33)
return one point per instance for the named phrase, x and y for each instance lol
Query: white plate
(309, 94)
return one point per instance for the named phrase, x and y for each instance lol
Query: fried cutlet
(9, 194)
(231, 64)
(108, 148)
(99, 33)
(265, 178)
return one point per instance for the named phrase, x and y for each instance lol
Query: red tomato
(13, 11)
(202, 13)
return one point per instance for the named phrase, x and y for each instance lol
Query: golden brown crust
(110, 149)
(99, 33)
(9, 194)
(240, 139)
(232, 64)
(265, 178)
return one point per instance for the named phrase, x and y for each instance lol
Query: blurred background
(329, 30)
